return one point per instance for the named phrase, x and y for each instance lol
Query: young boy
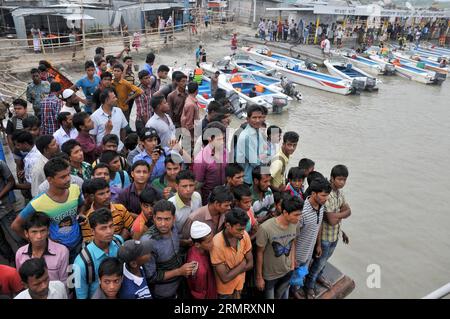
(110, 142)
(336, 209)
(307, 165)
(16, 122)
(234, 175)
(125, 91)
(101, 170)
(202, 284)
(231, 255)
(273, 138)
(280, 161)
(134, 254)
(78, 166)
(119, 177)
(243, 199)
(186, 200)
(88, 84)
(296, 176)
(32, 124)
(110, 274)
(167, 183)
(83, 124)
(145, 219)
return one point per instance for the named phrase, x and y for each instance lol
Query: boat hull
(348, 71)
(313, 79)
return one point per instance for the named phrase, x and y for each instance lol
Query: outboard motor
(439, 78)
(389, 69)
(371, 84)
(289, 89)
(357, 86)
(234, 99)
(278, 103)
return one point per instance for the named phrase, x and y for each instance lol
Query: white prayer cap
(199, 230)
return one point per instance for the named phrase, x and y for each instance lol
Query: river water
(396, 145)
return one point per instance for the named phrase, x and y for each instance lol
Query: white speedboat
(340, 67)
(366, 64)
(254, 92)
(263, 53)
(415, 60)
(299, 74)
(260, 73)
(411, 72)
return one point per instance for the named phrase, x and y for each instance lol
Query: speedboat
(366, 64)
(259, 72)
(254, 92)
(204, 96)
(411, 72)
(263, 53)
(340, 67)
(299, 74)
(416, 60)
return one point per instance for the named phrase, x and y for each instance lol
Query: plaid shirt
(334, 203)
(144, 110)
(50, 107)
(86, 171)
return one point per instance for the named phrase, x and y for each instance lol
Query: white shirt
(165, 131)
(99, 117)
(37, 174)
(182, 211)
(327, 46)
(61, 136)
(32, 157)
(56, 290)
(66, 108)
(340, 34)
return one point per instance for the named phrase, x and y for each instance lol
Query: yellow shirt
(123, 90)
(278, 169)
(121, 219)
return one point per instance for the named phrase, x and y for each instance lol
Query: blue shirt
(149, 68)
(159, 169)
(117, 181)
(87, 86)
(249, 150)
(134, 287)
(82, 289)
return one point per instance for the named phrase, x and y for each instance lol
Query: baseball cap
(133, 249)
(148, 132)
(67, 93)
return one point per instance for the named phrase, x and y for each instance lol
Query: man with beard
(34, 275)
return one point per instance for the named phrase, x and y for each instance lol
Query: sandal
(324, 282)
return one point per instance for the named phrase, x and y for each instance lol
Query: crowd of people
(114, 213)
(302, 32)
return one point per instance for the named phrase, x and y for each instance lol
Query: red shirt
(10, 282)
(90, 149)
(203, 284)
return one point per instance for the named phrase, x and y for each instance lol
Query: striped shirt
(334, 203)
(307, 230)
(50, 107)
(121, 219)
(261, 207)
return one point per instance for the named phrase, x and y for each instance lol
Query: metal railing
(439, 293)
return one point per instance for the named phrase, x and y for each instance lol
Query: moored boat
(365, 63)
(298, 73)
(340, 67)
